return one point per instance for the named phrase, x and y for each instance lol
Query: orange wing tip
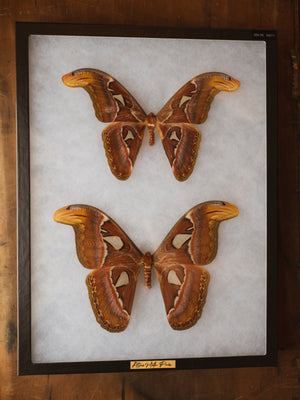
(57, 216)
(77, 78)
(65, 216)
(70, 80)
(234, 211)
(221, 211)
(232, 84)
(65, 79)
(73, 214)
(223, 82)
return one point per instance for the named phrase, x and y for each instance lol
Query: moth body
(151, 123)
(147, 263)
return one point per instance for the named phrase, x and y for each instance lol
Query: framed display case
(61, 161)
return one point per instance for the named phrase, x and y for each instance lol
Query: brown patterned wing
(113, 103)
(122, 142)
(116, 262)
(181, 144)
(192, 242)
(189, 105)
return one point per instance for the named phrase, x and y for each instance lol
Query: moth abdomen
(147, 261)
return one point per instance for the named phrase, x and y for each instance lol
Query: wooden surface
(281, 382)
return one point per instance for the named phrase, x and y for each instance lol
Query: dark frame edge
(272, 196)
(23, 31)
(124, 366)
(185, 32)
(23, 200)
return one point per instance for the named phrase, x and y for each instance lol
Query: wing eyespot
(122, 280)
(129, 135)
(115, 241)
(174, 136)
(120, 99)
(180, 239)
(173, 278)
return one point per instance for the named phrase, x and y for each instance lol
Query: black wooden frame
(23, 31)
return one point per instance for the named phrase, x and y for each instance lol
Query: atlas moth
(123, 137)
(116, 262)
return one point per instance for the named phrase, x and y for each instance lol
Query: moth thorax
(147, 261)
(151, 122)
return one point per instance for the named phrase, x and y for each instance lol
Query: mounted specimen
(116, 262)
(123, 137)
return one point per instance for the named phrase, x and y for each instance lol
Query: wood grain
(240, 384)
